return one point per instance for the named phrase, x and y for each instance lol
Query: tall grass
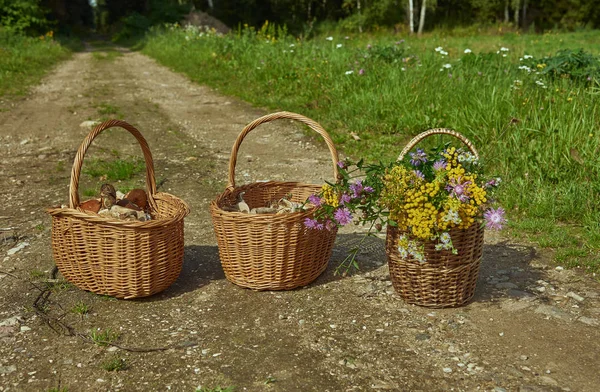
(24, 60)
(538, 130)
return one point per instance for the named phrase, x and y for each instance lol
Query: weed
(106, 108)
(40, 227)
(103, 338)
(37, 274)
(58, 389)
(116, 170)
(270, 380)
(80, 308)
(115, 364)
(60, 166)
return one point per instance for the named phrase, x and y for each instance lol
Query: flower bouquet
(436, 206)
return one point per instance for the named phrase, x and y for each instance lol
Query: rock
(524, 357)
(8, 369)
(17, 248)
(548, 381)
(89, 124)
(499, 389)
(520, 294)
(589, 321)
(559, 268)
(506, 285)
(447, 370)
(552, 311)
(25, 328)
(576, 297)
(11, 322)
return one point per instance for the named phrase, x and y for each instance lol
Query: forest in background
(126, 18)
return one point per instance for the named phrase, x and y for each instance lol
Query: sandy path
(523, 331)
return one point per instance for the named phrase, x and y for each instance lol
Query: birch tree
(411, 14)
(422, 17)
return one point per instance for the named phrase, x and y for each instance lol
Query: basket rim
(215, 204)
(182, 212)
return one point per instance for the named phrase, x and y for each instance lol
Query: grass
(80, 308)
(104, 338)
(24, 60)
(118, 169)
(539, 132)
(114, 364)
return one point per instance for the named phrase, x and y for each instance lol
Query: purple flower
(494, 219)
(314, 199)
(419, 174)
(494, 182)
(341, 164)
(356, 188)
(589, 78)
(399, 42)
(368, 189)
(343, 216)
(418, 157)
(310, 223)
(345, 198)
(439, 165)
(459, 189)
(361, 71)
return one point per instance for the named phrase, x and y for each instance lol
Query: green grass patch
(104, 338)
(114, 170)
(24, 60)
(109, 55)
(80, 308)
(529, 103)
(114, 364)
(107, 110)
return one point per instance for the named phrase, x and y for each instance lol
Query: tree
(411, 13)
(422, 17)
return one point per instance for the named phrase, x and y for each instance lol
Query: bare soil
(530, 326)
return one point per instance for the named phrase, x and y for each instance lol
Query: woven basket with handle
(271, 251)
(444, 279)
(123, 259)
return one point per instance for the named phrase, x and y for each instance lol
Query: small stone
(501, 334)
(205, 351)
(25, 328)
(524, 357)
(216, 354)
(506, 285)
(589, 321)
(499, 389)
(79, 365)
(559, 268)
(89, 124)
(17, 248)
(548, 381)
(100, 380)
(7, 369)
(541, 289)
(301, 322)
(112, 349)
(576, 297)
(447, 370)
(24, 142)
(332, 326)
(548, 371)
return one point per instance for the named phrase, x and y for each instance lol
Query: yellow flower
(330, 197)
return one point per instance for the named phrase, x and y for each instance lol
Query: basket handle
(275, 116)
(437, 131)
(76, 171)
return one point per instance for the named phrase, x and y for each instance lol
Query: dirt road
(530, 327)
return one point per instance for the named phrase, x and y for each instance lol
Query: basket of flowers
(436, 206)
(111, 251)
(263, 242)
(439, 204)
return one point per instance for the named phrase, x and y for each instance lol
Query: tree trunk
(517, 11)
(524, 14)
(359, 20)
(506, 13)
(411, 13)
(211, 4)
(422, 17)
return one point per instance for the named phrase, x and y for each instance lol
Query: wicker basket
(271, 251)
(444, 279)
(119, 258)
